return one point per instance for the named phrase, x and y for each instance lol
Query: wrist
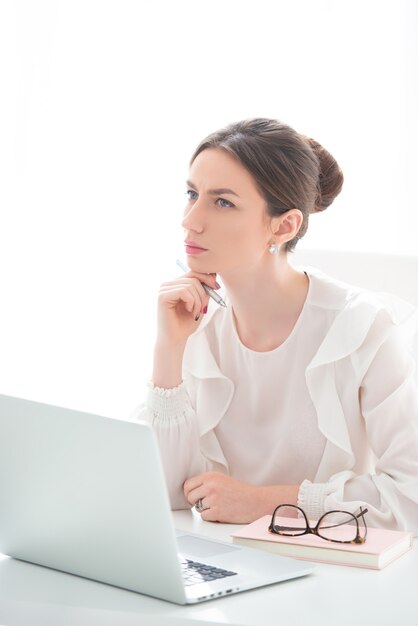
(167, 368)
(166, 346)
(270, 496)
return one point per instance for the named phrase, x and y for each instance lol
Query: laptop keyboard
(195, 573)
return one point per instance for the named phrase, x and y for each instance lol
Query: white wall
(101, 106)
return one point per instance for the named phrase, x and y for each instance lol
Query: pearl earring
(273, 248)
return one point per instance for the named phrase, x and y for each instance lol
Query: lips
(192, 244)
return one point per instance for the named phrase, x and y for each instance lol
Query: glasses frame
(314, 531)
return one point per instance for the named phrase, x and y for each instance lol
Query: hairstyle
(289, 169)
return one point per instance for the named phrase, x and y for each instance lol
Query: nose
(192, 220)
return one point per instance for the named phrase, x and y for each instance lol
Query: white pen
(208, 290)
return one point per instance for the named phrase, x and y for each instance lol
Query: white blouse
(334, 408)
(279, 440)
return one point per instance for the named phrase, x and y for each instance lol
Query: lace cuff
(168, 403)
(311, 498)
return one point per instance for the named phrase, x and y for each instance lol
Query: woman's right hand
(180, 301)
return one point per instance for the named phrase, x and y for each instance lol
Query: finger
(209, 515)
(193, 483)
(196, 494)
(186, 281)
(204, 296)
(187, 294)
(193, 285)
(207, 279)
(172, 297)
(207, 479)
(201, 301)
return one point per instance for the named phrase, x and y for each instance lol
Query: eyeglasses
(336, 526)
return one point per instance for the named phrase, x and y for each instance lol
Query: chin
(197, 260)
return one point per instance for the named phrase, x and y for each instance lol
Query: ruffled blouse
(357, 376)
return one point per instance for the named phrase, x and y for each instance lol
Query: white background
(101, 106)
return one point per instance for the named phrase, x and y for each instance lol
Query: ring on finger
(199, 505)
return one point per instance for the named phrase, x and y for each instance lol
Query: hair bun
(330, 180)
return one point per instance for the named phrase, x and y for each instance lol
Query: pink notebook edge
(378, 539)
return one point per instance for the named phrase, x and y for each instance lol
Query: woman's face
(233, 225)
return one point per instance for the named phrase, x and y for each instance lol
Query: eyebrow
(214, 192)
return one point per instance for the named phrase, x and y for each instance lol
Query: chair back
(396, 274)
(392, 273)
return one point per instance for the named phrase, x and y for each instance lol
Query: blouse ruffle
(349, 336)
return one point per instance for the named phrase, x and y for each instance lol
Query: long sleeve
(360, 392)
(173, 419)
(388, 397)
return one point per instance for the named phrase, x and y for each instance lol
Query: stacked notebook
(380, 548)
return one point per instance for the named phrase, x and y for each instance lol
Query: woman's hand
(225, 499)
(228, 500)
(180, 301)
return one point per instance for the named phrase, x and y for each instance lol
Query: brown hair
(289, 169)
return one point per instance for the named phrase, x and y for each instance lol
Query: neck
(267, 299)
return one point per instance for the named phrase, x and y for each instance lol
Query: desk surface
(338, 595)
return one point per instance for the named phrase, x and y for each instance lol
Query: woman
(301, 390)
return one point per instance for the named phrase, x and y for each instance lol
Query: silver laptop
(86, 494)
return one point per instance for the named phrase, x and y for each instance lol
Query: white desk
(339, 596)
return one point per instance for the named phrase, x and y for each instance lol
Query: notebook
(86, 494)
(381, 547)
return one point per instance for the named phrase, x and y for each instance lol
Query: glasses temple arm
(362, 512)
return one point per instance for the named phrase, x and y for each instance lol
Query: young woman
(301, 389)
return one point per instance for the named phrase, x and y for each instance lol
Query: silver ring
(199, 505)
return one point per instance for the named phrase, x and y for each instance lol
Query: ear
(287, 225)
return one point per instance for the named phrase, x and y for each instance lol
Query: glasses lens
(340, 526)
(289, 521)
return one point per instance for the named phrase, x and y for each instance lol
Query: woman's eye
(187, 193)
(228, 204)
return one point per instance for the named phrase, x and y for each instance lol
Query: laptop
(86, 494)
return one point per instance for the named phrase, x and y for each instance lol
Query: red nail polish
(205, 310)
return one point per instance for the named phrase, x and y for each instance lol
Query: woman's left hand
(224, 499)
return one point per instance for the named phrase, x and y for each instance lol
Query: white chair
(378, 272)
(396, 274)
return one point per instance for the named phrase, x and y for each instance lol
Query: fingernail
(205, 310)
